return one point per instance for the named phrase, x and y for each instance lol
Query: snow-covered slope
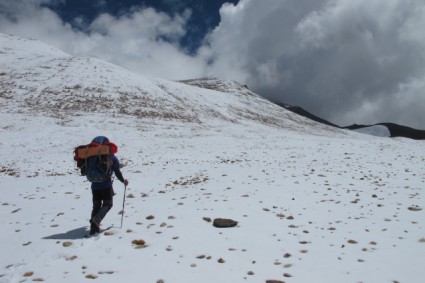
(312, 204)
(37, 77)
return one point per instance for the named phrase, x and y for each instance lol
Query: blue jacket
(114, 168)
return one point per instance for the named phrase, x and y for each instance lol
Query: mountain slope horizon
(41, 78)
(394, 129)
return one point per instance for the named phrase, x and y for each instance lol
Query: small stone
(224, 223)
(91, 276)
(352, 241)
(207, 219)
(67, 244)
(250, 273)
(106, 272)
(28, 274)
(150, 217)
(138, 242)
(71, 258)
(221, 260)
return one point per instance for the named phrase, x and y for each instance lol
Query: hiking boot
(94, 227)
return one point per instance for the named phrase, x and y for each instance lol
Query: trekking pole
(123, 203)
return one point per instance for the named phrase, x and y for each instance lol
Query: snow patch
(377, 130)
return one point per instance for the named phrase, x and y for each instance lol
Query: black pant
(102, 203)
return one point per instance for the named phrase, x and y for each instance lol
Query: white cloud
(348, 61)
(144, 40)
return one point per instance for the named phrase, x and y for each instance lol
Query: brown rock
(28, 274)
(224, 223)
(138, 242)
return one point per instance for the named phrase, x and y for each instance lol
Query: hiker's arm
(117, 171)
(119, 176)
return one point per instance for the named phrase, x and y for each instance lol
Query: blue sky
(347, 61)
(204, 14)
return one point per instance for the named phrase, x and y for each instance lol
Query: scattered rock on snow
(67, 244)
(139, 242)
(91, 276)
(28, 274)
(224, 223)
(207, 219)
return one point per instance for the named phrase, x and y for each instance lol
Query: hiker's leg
(107, 203)
(97, 203)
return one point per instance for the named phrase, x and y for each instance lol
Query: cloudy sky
(348, 61)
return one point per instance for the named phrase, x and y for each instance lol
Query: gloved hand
(126, 182)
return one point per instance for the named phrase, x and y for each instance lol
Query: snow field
(308, 207)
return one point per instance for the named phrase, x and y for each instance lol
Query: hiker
(99, 169)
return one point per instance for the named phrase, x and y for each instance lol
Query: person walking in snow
(98, 165)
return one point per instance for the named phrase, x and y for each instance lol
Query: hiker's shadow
(75, 234)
